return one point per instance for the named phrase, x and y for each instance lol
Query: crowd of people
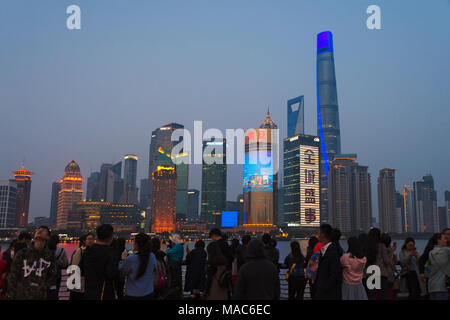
(245, 269)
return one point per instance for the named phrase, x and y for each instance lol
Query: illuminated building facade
(71, 191)
(124, 218)
(296, 111)
(163, 210)
(22, 178)
(161, 138)
(214, 182)
(129, 178)
(301, 177)
(85, 215)
(350, 202)
(328, 128)
(260, 175)
(8, 193)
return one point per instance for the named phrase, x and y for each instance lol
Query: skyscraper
(8, 192)
(387, 200)
(23, 182)
(442, 215)
(143, 193)
(182, 169)
(260, 175)
(399, 223)
(350, 203)
(361, 198)
(161, 138)
(71, 191)
(409, 210)
(426, 205)
(93, 187)
(129, 178)
(301, 181)
(164, 193)
(103, 183)
(296, 116)
(328, 128)
(214, 182)
(193, 200)
(56, 186)
(447, 205)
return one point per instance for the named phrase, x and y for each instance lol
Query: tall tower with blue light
(327, 112)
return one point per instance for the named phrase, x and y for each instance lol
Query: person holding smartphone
(409, 260)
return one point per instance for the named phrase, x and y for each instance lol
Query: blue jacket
(142, 286)
(176, 252)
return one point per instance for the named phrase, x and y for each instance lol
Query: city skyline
(395, 116)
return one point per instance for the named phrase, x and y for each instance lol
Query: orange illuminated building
(23, 182)
(164, 195)
(71, 191)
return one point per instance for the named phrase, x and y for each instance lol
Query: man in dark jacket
(195, 279)
(32, 270)
(216, 236)
(258, 279)
(100, 266)
(329, 273)
(241, 251)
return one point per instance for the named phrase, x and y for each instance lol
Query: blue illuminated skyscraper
(327, 112)
(296, 110)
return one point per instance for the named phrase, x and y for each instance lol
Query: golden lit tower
(71, 191)
(164, 195)
(23, 181)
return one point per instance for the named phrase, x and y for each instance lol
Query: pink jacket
(352, 269)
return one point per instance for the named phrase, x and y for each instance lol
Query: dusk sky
(95, 94)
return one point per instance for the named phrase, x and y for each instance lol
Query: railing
(64, 293)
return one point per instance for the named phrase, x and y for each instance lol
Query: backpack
(313, 265)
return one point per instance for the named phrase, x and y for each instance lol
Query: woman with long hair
(295, 262)
(86, 241)
(371, 248)
(353, 265)
(409, 260)
(312, 263)
(386, 260)
(138, 270)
